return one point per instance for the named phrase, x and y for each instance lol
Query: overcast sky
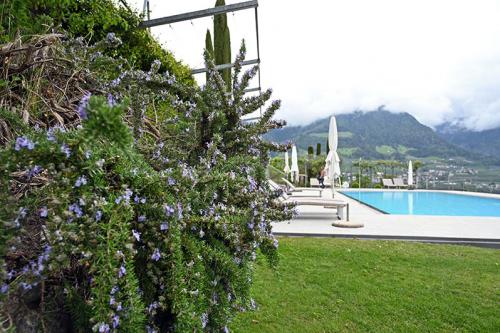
(439, 60)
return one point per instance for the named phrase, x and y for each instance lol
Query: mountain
(485, 142)
(376, 134)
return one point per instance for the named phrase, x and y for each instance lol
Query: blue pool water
(428, 203)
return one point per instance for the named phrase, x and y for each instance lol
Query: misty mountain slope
(485, 142)
(377, 134)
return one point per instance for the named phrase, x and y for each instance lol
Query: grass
(345, 134)
(333, 285)
(403, 149)
(347, 151)
(385, 150)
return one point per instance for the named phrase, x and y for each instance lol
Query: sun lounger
(292, 189)
(315, 183)
(388, 183)
(342, 207)
(295, 191)
(398, 182)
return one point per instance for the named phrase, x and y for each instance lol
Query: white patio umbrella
(295, 164)
(287, 166)
(332, 162)
(410, 174)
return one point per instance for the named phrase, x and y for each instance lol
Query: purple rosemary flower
(116, 321)
(26, 286)
(122, 271)
(81, 181)
(204, 320)
(114, 290)
(66, 150)
(179, 211)
(11, 274)
(153, 306)
(171, 181)
(35, 171)
(156, 255)
(88, 153)
(111, 37)
(103, 328)
(136, 234)
(112, 300)
(76, 210)
(141, 218)
(164, 226)
(4, 289)
(119, 307)
(98, 216)
(252, 184)
(50, 135)
(128, 194)
(24, 142)
(44, 212)
(82, 106)
(111, 100)
(169, 211)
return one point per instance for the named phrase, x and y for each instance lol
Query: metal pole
(258, 51)
(359, 180)
(199, 13)
(225, 66)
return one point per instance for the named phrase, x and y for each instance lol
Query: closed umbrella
(410, 174)
(287, 166)
(332, 162)
(295, 164)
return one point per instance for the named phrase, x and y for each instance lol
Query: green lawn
(333, 285)
(385, 150)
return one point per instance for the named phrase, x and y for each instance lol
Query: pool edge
(364, 203)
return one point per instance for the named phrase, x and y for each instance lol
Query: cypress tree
(209, 47)
(222, 43)
(310, 150)
(318, 149)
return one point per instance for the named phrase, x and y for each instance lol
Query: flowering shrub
(148, 215)
(94, 19)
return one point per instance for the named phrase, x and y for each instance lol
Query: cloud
(438, 60)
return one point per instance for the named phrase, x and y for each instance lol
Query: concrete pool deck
(317, 222)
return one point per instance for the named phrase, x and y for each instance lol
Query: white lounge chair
(292, 189)
(398, 182)
(315, 183)
(342, 207)
(388, 183)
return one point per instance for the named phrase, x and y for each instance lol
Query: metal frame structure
(205, 13)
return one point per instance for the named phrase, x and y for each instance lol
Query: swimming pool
(427, 203)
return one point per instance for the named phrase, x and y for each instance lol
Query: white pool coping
(317, 221)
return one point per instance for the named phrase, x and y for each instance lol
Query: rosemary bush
(145, 211)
